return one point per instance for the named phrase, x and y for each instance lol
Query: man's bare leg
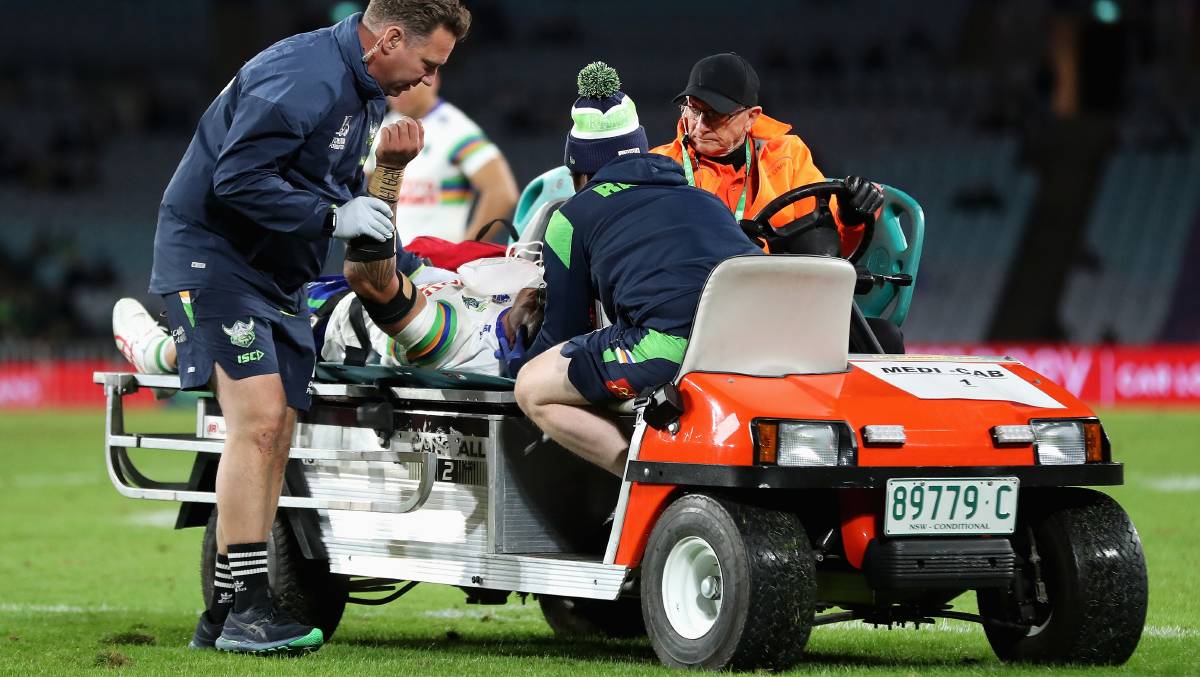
(283, 445)
(547, 397)
(251, 468)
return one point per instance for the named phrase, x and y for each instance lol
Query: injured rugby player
(469, 323)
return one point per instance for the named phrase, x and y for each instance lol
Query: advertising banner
(1101, 375)
(59, 383)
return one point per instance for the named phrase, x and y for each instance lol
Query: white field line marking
(156, 518)
(498, 613)
(960, 627)
(1157, 631)
(67, 479)
(1170, 632)
(1173, 484)
(10, 608)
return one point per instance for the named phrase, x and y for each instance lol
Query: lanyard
(691, 177)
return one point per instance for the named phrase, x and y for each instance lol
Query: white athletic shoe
(139, 338)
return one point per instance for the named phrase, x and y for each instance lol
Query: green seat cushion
(409, 377)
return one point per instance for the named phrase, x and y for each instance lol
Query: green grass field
(94, 582)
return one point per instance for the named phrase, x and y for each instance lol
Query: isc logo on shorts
(252, 356)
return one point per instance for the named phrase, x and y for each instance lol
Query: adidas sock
(222, 593)
(248, 566)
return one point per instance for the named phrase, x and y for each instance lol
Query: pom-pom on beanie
(605, 122)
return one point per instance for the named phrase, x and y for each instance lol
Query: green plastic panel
(891, 253)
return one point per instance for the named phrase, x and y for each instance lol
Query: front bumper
(839, 477)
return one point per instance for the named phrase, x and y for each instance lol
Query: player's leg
(147, 346)
(546, 394)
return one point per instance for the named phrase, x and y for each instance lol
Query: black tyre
(303, 587)
(728, 585)
(1095, 583)
(575, 617)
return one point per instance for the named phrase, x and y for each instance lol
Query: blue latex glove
(512, 357)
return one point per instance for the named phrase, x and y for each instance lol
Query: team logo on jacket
(339, 139)
(371, 132)
(240, 334)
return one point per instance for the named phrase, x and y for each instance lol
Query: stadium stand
(915, 99)
(1137, 233)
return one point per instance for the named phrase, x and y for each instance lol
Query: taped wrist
(385, 183)
(365, 249)
(393, 310)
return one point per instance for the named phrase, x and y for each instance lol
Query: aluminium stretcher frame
(443, 496)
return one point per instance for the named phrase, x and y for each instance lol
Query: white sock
(154, 356)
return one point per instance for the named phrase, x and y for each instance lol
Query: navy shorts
(618, 363)
(245, 335)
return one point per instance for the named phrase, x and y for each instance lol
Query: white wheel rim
(691, 571)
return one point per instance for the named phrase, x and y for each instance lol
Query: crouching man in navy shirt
(636, 237)
(273, 171)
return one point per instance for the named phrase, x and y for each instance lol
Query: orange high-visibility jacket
(781, 162)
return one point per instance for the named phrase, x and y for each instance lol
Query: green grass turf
(94, 582)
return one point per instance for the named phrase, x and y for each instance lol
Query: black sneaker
(206, 633)
(267, 631)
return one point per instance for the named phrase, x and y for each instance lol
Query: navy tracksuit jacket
(640, 239)
(283, 142)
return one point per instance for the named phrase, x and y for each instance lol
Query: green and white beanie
(606, 122)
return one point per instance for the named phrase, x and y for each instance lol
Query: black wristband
(330, 222)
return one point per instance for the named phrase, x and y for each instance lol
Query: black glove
(860, 201)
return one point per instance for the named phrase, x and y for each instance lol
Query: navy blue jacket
(640, 239)
(284, 141)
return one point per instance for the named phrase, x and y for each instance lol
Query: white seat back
(772, 316)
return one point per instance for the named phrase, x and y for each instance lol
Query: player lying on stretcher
(469, 323)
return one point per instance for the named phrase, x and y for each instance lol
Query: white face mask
(495, 276)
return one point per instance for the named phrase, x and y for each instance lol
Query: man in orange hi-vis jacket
(723, 137)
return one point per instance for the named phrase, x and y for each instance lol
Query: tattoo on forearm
(379, 273)
(385, 184)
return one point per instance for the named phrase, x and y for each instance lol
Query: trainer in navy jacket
(643, 241)
(283, 142)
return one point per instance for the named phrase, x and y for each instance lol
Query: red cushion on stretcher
(451, 255)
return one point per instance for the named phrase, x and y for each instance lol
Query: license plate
(945, 506)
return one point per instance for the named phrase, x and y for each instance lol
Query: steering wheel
(760, 225)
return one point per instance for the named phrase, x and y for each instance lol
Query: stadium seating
(1143, 215)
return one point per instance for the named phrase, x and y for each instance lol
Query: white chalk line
(155, 518)
(66, 479)
(1176, 484)
(531, 612)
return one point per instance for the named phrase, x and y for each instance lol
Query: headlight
(803, 443)
(1059, 442)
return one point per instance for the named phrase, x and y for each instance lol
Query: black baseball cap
(725, 82)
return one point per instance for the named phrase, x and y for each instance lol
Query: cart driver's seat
(538, 201)
(772, 316)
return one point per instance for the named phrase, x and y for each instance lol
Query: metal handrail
(126, 479)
